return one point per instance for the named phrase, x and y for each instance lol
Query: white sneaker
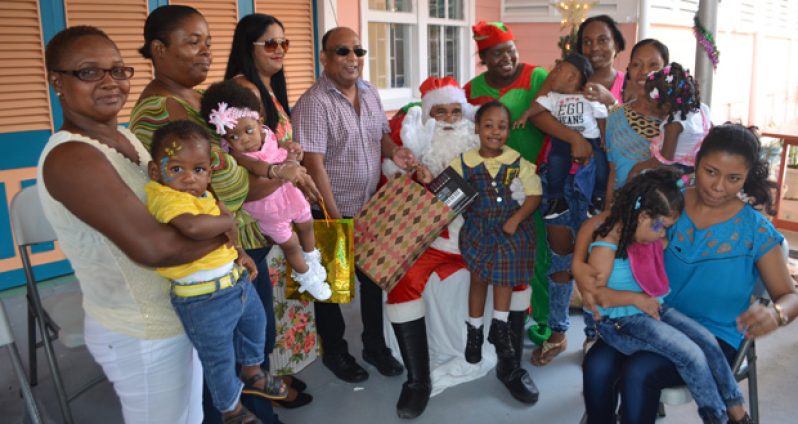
(309, 282)
(313, 259)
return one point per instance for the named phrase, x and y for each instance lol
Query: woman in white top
(91, 179)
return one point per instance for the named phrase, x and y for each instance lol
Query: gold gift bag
(335, 241)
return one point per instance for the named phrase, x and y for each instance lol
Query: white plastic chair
(58, 317)
(744, 367)
(7, 339)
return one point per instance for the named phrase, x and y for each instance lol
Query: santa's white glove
(517, 191)
(416, 135)
(390, 169)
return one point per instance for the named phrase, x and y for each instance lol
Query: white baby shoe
(313, 259)
(309, 282)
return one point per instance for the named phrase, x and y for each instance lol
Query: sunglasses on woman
(344, 51)
(119, 73)
(271, 44)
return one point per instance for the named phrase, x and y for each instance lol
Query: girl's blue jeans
(694, 351)
(226, 327)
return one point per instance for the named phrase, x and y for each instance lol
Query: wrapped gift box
(400, 222)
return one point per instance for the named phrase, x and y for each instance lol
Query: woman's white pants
(157, 381)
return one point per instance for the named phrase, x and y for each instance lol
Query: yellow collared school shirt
(527, 173)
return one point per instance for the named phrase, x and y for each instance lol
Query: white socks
(476, 322)
(501, 315)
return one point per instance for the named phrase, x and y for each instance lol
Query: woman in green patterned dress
(177, 40)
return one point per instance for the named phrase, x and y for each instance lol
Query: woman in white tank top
(91, 178)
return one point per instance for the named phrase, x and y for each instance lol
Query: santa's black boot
(412, 338)
(509, 370)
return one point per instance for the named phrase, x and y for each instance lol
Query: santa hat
(489, 34)
(437, 91)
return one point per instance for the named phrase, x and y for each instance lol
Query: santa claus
(438, 130)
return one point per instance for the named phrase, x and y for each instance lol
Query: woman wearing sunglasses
(91, 178)
(256, 62)
(177, 40)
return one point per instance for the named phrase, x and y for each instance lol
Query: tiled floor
(373, 401)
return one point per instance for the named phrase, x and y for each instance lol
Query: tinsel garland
(707, 41)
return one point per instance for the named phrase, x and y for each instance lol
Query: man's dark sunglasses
(344, 51)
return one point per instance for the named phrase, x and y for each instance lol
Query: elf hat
(437, 91)
(489, 34)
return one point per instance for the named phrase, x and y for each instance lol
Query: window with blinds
(24, 98)
(222, 17)
(123, 21)
(297, 17)
(766, 16)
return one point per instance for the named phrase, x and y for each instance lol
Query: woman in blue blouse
(717, 250)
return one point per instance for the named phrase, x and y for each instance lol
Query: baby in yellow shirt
(213, 296)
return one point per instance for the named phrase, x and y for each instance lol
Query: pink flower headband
(228, 117)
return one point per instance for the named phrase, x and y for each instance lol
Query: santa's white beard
(448, 142)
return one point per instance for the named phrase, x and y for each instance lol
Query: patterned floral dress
(297, 345)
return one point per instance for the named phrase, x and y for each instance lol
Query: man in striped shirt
(344, 132)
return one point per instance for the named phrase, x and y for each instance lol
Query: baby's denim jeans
(560, 161)
(226, 327)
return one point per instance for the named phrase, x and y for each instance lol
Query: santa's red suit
(435, 144)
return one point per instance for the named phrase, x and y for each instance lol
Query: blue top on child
(635, 274)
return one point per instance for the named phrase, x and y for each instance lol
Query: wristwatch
(782, 317)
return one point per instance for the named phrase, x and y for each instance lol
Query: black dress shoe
(343, 365)
(520, 385)
(385, 363)
(298, 384)
(301, 399)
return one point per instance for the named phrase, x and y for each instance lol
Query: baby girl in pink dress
(255, 147)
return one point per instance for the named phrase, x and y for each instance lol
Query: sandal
(273, 389)
(243, 416)
(541, 356)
